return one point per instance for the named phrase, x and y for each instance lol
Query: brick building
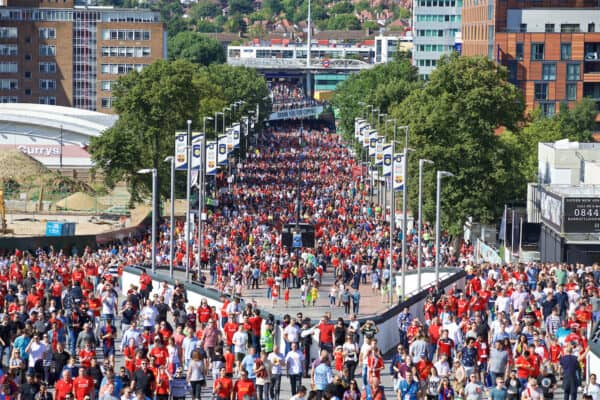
(551, 49)
(57, 52)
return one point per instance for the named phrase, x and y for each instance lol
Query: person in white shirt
(35, 349)
(291, 334)
(240, 341)
(149, 315)
(592, 388)
(294, 361)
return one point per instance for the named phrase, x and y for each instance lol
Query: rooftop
(89, 123)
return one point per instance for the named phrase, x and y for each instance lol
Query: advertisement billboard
(551, 210)
(581, 215)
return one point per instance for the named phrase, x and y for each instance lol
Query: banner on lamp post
(398, 172)
(211, 158)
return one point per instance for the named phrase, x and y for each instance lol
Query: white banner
(296, 113)
(373, 145)
(398, 177)
(222, 150)
(387, 162)
(379, 149)
(197, 151)
(211, 158)
(180, 150)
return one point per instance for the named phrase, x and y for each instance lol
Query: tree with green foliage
(197, 48)
(203, 9)
(235, 24)
(383, 86)
(154, 103)
(575, 124)
(343, 22)
(240, 6)
(273, 6)
(452, 120)
(343, 7)
(151, 105)
(206, 26)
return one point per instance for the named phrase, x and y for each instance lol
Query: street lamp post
(171, 159)
(392, 220)
(404, 205)
(154, 175)
(422, 162)
(201, 186)
(438, 196)
(188, 190)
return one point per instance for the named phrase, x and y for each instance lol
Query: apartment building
(59, 52)
(551, 49)
(436, 32)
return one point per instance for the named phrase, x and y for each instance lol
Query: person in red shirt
(229, 329)
(86, 354)
(204, 312)
(129, 353)
(243, 387)
(374, 361)
(524, 367)
(145, 284)
(445, 346)
(229, 361)
(162, 388)
(63, 386)
(223, 386)
(326, 329)
(82, 385)
(159, 352)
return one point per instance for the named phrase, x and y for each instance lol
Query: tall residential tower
(58, 52)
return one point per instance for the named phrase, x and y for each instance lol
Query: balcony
(591, 58)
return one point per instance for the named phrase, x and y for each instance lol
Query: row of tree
(471, 121)
(156, 102)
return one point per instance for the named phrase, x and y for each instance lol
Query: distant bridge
(320, 65)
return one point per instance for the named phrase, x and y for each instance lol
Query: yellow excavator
(2, 213)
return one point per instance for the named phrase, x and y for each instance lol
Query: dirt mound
(22, 173)
(80, 202)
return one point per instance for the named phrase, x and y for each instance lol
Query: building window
(106, 85)
(573, 72)
(519, 51)
(47, 50)
(125, 51)
(549, 28)
(541, 91)
(8, 50)
(9, 99)
(548, 109)
(125, 34)
(50, 100)
(8, 33)
(27, 92)
(549, 72)
(565, 51)
(47, 33)
(569, 28)
(27, 74)
(9, 84)
(47, 67)
(571, 91)
(47, 84)
(537, 51)
(107, 102)
(591, 27)
(120, 69)
(523, 28)
(8, 67)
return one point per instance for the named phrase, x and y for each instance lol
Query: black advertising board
(306, 233)
(581, 215)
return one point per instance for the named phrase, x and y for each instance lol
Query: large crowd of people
(69, 332)
(288, 95)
